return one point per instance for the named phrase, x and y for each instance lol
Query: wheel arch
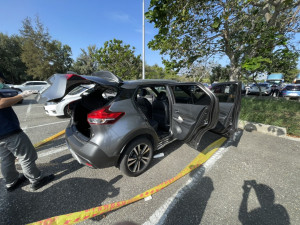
(134, 137)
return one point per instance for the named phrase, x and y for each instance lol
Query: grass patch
(272, 111)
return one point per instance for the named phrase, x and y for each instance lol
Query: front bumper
(86, 152)
(51, 110)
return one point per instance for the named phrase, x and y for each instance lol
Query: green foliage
(86, 63)
(247, 32)
(255, 63)
(285, 61)
(10, 58)
(119, 59)
(41, 55)
(272, 111)
(220, 74)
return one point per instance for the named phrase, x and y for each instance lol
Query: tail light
(104, 116)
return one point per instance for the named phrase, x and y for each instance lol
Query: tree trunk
(234, 72)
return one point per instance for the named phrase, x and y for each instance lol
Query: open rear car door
(194, 111)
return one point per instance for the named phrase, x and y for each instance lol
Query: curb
(266, 129)
(263, 128)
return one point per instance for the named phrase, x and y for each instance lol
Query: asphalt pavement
(212, 194)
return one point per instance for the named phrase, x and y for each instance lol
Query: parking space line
(160, 215)
(54, 151)
(47, 124)
(80, 216)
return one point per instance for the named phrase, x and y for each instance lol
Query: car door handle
(179, 119)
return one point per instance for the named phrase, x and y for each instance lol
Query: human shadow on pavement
(190, 203)
(22, 207)
(268, 212)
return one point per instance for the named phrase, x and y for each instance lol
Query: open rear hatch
(62, 84)
(105, 90)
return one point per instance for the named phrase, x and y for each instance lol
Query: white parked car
(32, 85)
(65, 106)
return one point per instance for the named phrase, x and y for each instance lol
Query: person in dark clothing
(14, 143)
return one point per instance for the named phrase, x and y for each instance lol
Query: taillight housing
(104, 116)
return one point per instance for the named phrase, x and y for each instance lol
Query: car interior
(225, 94)
(154, 103)
(96, 99)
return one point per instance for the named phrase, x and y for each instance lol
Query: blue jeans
(18, 146)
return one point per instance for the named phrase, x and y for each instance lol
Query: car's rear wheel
(137, 157)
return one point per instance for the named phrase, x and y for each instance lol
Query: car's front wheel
(137, 157)
(67, 111)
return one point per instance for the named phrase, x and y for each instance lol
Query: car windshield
(292, 88)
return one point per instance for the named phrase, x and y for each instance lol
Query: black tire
(67, 111)
(137, 158)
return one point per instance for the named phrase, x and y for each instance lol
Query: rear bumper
(87, 153)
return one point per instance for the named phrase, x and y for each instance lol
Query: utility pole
(143, 39)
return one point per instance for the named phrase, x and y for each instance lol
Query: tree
(119, 59)
(190, 30)
(41, 55)
(220, 74)
(285, 61)
(59, 57)
(10, 58)
(86, 63)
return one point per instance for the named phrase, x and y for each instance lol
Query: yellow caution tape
(80, 216)
(49, 139)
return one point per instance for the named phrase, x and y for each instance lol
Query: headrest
(162, 96)
(143, 92)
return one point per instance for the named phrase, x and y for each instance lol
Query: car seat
(160, 111)
(146, 108)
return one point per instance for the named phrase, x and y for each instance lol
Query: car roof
(134, 83)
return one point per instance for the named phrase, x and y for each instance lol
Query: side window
(190, 94)
(40, 83)
(160, 89)
(28, 84)
(225, 92)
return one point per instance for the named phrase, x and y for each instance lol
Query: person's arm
(243, 212)
(7, 102)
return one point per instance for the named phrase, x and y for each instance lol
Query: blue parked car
(291, 91)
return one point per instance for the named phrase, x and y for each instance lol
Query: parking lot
(212, 194)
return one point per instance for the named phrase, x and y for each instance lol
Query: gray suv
(122, 123)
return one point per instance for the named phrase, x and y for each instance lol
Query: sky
(80, 23)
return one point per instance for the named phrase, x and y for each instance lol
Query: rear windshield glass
(292, 88)
(80, 89)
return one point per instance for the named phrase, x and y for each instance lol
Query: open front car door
(229, 96)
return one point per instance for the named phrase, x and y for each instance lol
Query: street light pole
(143, 39)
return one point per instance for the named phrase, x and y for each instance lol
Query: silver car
(265, 89)
(122, 123)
